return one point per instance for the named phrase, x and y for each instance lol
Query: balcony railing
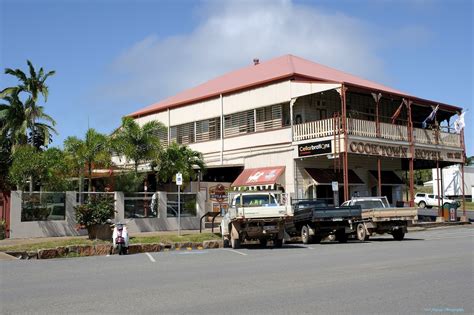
(314, 129)
(368, 129)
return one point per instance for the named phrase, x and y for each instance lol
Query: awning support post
(412, 155)
(379, 177)
(345, 155)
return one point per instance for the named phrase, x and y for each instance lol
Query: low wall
(67, 227)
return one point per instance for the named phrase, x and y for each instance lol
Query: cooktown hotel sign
(401, 151)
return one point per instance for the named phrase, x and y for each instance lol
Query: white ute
(423, 200)
(256, 216)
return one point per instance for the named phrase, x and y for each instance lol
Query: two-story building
(293, 124)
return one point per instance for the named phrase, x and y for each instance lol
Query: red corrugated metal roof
(259, 176)
(276, 69)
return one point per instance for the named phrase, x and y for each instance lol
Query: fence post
(70, 203)
(119, 206)
(15, 212)
(162, 204)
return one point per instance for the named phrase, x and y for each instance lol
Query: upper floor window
(209, 129)
(239, 123)
(182, 134)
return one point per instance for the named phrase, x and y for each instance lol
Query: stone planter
(100, 232)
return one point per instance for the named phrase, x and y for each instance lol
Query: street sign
(179, 179)
(335, 186)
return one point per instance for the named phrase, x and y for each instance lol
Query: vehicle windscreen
(257, 200)
(369, 204)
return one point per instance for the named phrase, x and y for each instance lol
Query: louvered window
(269, 117)
(209, 129)
(182, 134)
(239, 123)
(163, 136)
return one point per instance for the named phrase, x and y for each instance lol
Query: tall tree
(138, 143)
(179, 158)
(94, 150)
(24, 119)
(34, 84)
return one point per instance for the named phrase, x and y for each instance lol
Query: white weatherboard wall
(452, 180)
(305, 88)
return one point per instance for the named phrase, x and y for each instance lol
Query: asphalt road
(429, 272)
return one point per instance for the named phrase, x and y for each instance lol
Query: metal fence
(43, 206)
(141, 205)
(84, 197)
(187, 205)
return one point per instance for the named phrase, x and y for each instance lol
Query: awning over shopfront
(264, 177)
(326, 176)
(388, 177)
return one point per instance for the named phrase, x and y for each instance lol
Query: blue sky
(113, 57)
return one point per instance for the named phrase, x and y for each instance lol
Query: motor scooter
(120, 238)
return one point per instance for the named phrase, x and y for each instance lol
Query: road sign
(335, 186)
(179, 179)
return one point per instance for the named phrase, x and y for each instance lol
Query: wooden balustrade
(365, 128)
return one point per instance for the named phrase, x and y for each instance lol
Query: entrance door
(387, 192)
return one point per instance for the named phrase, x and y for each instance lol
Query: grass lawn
(163, 238)
(469, 206)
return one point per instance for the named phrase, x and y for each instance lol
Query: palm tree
(23, 119)
(179, 158)
(20, 120)
(138, 144)
(34, 84)
(88, 153)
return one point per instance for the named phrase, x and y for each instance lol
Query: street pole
(179, 210)
(179, 182)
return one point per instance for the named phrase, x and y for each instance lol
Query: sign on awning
(264, 176)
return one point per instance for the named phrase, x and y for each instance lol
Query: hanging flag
(397, 113)
(459, 123)
(430, 117)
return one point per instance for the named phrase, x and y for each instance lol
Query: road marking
(194, 252)
(309, 247)
(234, 251)
(151, 257)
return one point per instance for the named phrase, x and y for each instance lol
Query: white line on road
(233, 251)
(309, 247)
(151, 257)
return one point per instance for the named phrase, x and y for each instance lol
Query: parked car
(424, 200)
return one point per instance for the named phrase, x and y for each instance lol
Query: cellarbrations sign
(314, 148)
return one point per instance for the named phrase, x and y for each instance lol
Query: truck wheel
(398, 234)
(341, 236)
(235, 242)
(278, 242)
(422, 204)
(305, 237)
(361, 232)
(263, 242)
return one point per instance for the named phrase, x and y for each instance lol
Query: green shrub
(97, 210)
(3, 229)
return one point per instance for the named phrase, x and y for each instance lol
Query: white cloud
(229, 35)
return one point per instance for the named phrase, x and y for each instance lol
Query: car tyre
(305, 237)
(422, 204)
(361, 232)
(398, 234)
